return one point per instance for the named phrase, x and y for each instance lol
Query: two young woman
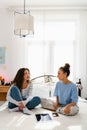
(20, 93)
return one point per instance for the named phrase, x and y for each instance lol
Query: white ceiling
(7, 3)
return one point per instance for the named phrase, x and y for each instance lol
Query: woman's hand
(21, 105)
(67, 109)
(55, 105)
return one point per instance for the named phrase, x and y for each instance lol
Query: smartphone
(55, 114)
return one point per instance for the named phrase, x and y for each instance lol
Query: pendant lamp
(23, 23)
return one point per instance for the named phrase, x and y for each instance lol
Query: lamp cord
(24, 6)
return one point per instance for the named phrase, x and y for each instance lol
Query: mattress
(20, 121)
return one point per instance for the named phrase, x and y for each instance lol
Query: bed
(20, 121)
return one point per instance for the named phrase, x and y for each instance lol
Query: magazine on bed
(43, 117)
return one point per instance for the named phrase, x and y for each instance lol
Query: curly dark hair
(18, 80)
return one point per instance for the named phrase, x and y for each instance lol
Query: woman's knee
(34, 102)
(15, 93)
(37, 99)
(74, 110)
(14, 89)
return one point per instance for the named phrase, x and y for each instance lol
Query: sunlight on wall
(74, 128)
(63, 54)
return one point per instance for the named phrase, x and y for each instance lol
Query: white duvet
(20, 121)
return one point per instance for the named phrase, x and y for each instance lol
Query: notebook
(43, 117)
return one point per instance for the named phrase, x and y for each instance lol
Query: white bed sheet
(20, 121)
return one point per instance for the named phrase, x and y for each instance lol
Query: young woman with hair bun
(66, 93)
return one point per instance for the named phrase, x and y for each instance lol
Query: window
(51, 47)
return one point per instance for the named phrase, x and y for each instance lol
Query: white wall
(15, 51)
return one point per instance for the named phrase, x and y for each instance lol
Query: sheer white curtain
(52, 45)
(60, 37)
(80, 50)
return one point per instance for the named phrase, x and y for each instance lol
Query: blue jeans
(16, 95)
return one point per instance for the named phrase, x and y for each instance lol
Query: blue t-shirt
(66, 93)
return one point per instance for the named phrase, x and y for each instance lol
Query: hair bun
(67, 66)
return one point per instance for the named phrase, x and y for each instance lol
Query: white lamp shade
(23, 24)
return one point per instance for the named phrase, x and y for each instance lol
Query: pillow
(40, 90)
(47, 103)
